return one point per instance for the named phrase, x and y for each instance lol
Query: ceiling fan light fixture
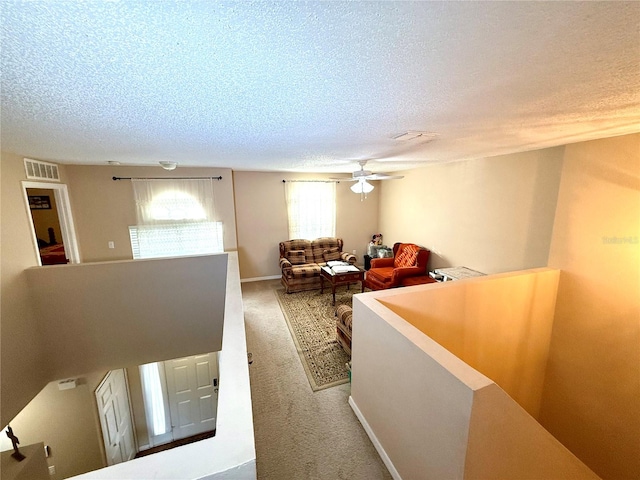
(362, 186)
(168, 165)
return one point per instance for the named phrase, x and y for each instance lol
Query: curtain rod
(165, 178)
(314, 181)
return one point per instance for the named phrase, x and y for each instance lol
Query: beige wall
(261, 215)
(24, 373)
(492, 214)
(65, 420)
(34, 466)
(103, 209)
(46, 218)
(592, 392)
(499, 324)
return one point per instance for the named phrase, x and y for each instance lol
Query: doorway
(180, 397)
(161, 404)
(45, 221)
(53, 231)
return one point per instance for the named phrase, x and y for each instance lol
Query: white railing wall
(428, 412)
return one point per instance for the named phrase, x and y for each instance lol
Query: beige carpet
(300, 434)
(311, 319)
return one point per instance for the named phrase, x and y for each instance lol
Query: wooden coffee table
(336, 279)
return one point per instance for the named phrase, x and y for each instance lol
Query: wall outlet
(112, 245)
(52, 470)
(354, 252)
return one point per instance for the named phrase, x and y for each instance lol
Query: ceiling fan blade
(343, 179)
(383, 176)
(363, 175)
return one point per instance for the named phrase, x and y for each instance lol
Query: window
(154, 399)
(155, 241)
(175, 218)
(311, 208)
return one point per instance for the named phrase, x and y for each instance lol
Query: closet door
(115, 417)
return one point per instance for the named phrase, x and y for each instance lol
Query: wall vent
(37, 170)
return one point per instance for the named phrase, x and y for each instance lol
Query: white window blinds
(155, 241)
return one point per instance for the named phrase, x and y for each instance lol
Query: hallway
(299, 434)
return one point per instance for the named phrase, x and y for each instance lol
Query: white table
(457, 273)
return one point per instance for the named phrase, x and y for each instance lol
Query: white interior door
(115, 417)
(193, 397)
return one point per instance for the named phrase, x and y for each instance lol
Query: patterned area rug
(312, 323)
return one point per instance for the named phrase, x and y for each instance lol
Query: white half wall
(431, 415)
(414, 403)
(103, 316)
(505, 442)
(231, 453)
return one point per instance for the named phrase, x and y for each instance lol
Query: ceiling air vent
(37, 170)
(415, 134)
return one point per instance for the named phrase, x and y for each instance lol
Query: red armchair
(409, 260)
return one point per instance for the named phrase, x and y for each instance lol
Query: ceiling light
(168, 165)
(362, 186)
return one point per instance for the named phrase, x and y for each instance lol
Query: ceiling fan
(361, 176)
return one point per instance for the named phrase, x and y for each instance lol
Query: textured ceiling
(312, 86)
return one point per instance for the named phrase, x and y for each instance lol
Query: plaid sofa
(300, 261)
(344, 320)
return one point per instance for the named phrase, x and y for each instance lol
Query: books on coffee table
(344, 268)
(334, 263)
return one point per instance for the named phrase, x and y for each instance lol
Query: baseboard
(383, 455)
(259, 279)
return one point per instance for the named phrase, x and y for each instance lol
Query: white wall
(506, 443)
(230, 455)
(432, 416)
(413, 405)
(103, 316)
(501, 326)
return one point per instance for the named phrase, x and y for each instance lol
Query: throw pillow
(399, 258)
(330, 254)
(407, 257)
(296, 257)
